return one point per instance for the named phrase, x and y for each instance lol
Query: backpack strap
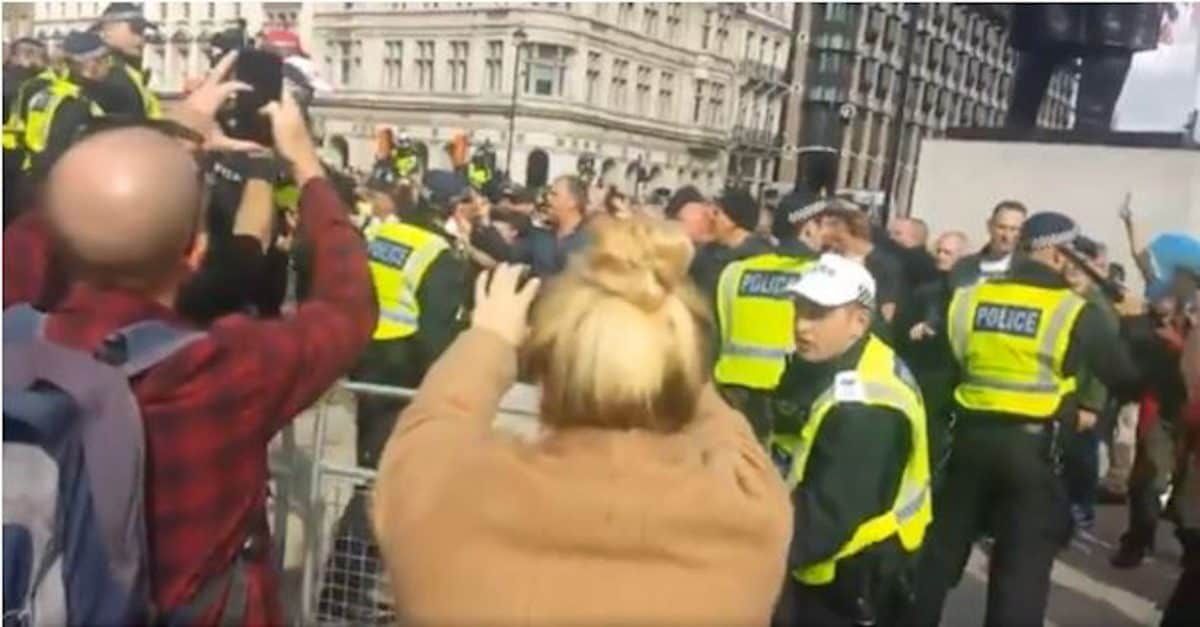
(142, 345)
(23, 323)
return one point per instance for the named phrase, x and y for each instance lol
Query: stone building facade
(852, 61)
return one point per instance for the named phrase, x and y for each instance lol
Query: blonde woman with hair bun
(644, 500)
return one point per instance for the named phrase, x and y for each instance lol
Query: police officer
(1020, 341)
(406, 160)
(25, 74)
(481, 166)
(754, 318)
(850, 438)
(123, 28)
(420, 283)
(64, 107)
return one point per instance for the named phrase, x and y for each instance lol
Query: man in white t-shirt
(1003, 228)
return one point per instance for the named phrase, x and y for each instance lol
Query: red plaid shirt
(211, 409)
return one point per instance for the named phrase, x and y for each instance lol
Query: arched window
(342, 147)
(537, 169)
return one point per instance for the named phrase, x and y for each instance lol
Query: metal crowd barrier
(342, 579)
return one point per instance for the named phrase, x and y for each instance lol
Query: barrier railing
(342, 579)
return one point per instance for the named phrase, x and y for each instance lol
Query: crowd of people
(751, 412)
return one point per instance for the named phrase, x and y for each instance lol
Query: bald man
(909, 232)
(124, 211)
(948, 249)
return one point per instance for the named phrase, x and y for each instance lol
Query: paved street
(1087, 591)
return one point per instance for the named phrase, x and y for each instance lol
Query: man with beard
(123, 28)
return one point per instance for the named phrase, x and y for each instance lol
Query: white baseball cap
(835, 281)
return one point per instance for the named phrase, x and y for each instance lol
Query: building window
(716, 105)
(494, 65)
(649, 20)
(706, 29)
(620, 83)
(346, 61)
(829, 62)
(666, 96)
(593, 78)
(547, 71)
(674, 19)
(210, 10)
(457, 64)
(836, 11)
(722, 33)
(643, 90)
(187, 10)
(698, 101)
(426, 55)
(393, 64)
(624, 14)
(748, 53)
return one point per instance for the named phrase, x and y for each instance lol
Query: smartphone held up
(263, 72)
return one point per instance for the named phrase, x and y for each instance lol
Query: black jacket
(1092, 344)
(711, 259)
(117, 94)
(853, 474)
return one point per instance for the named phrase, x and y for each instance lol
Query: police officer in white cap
(850, 439)
(1020, 341)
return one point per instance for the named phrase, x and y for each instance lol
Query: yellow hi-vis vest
(405, 164)
(478, 175)
(399, 255)
(756, 319)
(150, 102)
(1011, 340)
(14, 126)
(40, 120)
(879, 379)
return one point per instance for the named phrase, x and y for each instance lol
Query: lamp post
(519, 36)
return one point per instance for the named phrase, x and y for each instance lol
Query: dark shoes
(1129, 555)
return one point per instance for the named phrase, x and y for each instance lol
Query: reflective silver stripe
(960, 320)
(751, 350)
(1058, 322)
(398, 315)
(910, 503)
(728, 286)
(1011, 386)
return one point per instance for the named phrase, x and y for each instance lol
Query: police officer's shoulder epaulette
(848, 387)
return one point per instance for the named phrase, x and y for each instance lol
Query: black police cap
(1048, 228)
(82, 45)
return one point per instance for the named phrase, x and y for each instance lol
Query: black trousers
(354, 570)
(1183, 609)
(1002, 480)
(1149, 480)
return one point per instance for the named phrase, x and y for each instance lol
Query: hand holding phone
(1126, 212)
(263, 71)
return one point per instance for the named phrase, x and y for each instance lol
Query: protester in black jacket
(734, 221)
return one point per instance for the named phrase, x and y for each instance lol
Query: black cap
(740, 206)
(1048, 228)
(81, 45)
(443, 187)
(125, 12)
(683, 195)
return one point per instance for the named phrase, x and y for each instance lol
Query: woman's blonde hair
(620, 340)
